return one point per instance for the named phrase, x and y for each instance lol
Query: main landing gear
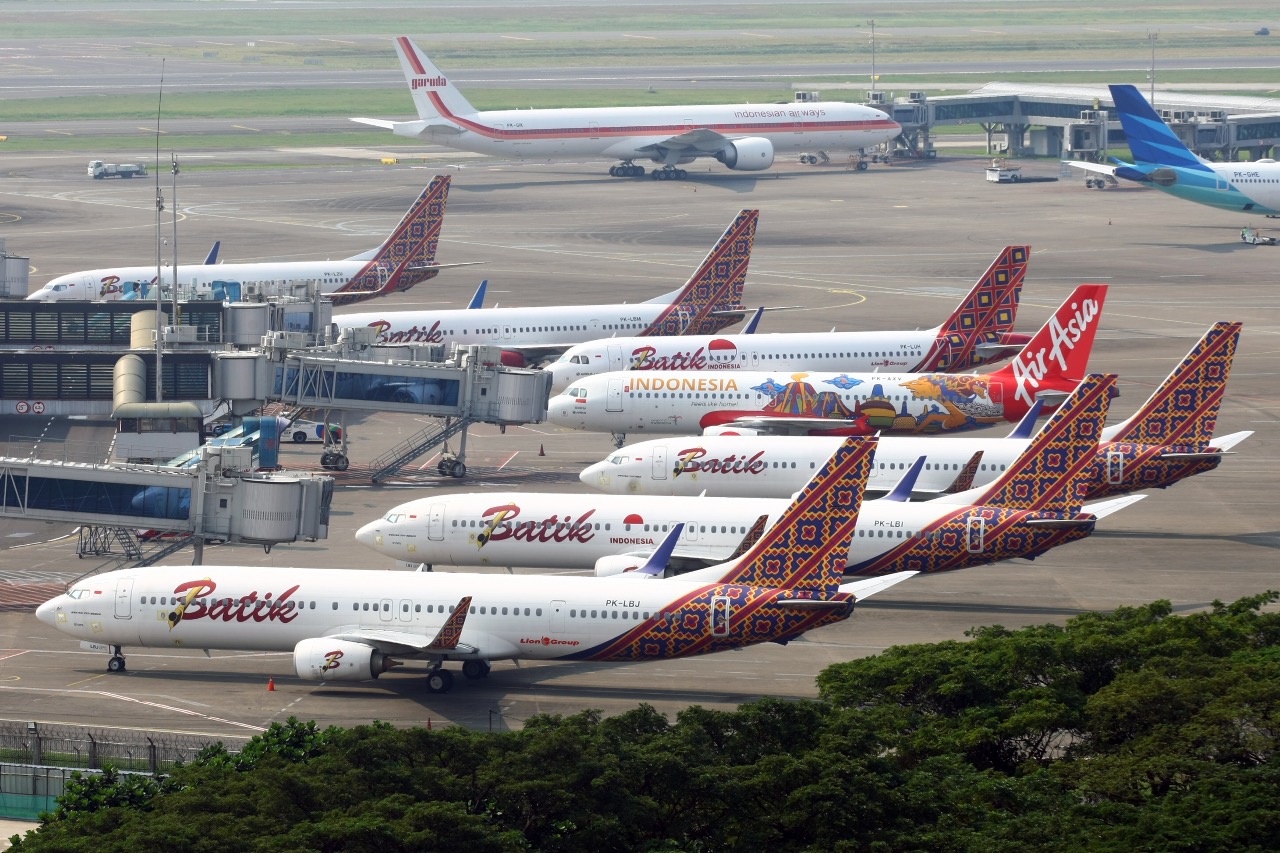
(116, 664)
(440, 680)
(627, 170)
(334, 461)
(669, 173)
(455, 468)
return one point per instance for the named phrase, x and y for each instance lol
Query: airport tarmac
(892, 247)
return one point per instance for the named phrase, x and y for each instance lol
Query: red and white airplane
(408, 257)
(979, 331)
(352, 625)
(616, 533)
(690, 402)
(1169, 438)
(708, 302)
(744, 137)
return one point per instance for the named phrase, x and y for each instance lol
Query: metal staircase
(390, 463)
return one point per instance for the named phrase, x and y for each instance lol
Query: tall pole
(174, 198)
(159, 211)
(1151, 37)
(873, 54)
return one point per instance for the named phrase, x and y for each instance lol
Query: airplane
(345, 625)
(405, 259)
(744, 137)
(708, 302)
(1160, 444)
(1163, 161)
(686, 403)
(979, 331)
(613, 534)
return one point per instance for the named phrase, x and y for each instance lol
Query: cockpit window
(78, 593)
(618, 459)
(393, 517)
(580, 359)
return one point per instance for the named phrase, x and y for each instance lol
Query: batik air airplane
(744, 137)
(1169, 438)
(408, 257)
(1162, 160)
(979, 331)
(616, 533)
(709, 301)
(353, 625)
(686, 403)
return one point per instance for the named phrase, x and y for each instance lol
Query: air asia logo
(546, 641)
(1030, 368)
(247, 608)
(695, 460)
(413, 335)
(428, 83)
(500, 524)
(717, 355)
(332, 660)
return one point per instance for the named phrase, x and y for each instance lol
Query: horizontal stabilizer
(412, 128)
(1220, 447)
(1097, 168)
(421, 267)
(866, 588)
(1104, 508)
(810, 603)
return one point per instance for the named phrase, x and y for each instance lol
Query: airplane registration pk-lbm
(345, 625)
(979, 331)
(406, 258)
(744, 137)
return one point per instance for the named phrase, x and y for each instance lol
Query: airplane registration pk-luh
(979, 331)
(406, 258)
(743, 137)
(352, 625)
(813, 403)
(1169, 438)
(1033, 505)
(709, 301)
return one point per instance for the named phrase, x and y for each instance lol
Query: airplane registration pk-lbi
(1032, 506)
(406, 258)
(346, 625)
(744, 137)
(690, 402)
(709, 301)
(1169, 438)
(979, 331)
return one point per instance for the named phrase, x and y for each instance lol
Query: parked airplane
(690, 402)
(708, 302)
(1169, 438)
(979, 331)
(405, 259)
(744, 137)
(345, 625)
(1163, 161)
(615, 533)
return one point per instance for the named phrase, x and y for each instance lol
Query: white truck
(99, 170)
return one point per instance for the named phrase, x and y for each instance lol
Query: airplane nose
(366, 535)
(594, 475)
(48, 612)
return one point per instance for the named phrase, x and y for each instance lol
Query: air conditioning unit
(877, 97)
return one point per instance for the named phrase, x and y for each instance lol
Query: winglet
(752, 537)
(750, 328)
(477, 301)
(1027, 426)
(212, 257)
(985, 316)
(656, 565)
(902, 492)
(964, 480)
(451, 630)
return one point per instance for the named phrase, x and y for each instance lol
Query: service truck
(99, 170)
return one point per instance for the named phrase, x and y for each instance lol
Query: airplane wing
(768, 425)
(697, 141)
(394, 642)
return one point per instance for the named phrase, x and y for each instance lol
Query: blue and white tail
(1150, 139)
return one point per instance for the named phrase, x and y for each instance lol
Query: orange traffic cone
(271, 685)
(541, 451)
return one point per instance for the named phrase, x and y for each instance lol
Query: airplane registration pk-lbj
(979, 331)
(685, 403)
(346, 625)
(406, 258)
(1169, 438)
(709, 301)
(744, 137)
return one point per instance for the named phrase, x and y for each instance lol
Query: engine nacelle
(618, 564)
(339, 660)
(753, 154)
(513, 358)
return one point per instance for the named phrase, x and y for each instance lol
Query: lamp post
(1151, 38)
(873, 54)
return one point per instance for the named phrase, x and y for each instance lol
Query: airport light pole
(873, 54)
(1151, 37)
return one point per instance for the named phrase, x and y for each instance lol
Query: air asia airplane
(744, 137)
(709, 301)
(408, 257)
(1169, 438)
(690, 402)
(346, 625)
(1162, 160)
(979, 331)
(615, 533)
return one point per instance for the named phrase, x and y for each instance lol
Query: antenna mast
(159, 210)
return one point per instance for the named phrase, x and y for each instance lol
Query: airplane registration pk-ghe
(743, 137)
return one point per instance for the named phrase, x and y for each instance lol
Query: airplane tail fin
(808, 546)
(1150, 139)
(712, 298)
(408, 255)
(1184, 409)
(1053, 473)
(985, 316)
(436, 99)
(1059, 352)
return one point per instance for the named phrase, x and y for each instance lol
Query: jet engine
(339, 660)
(617, 564)
(753, 154)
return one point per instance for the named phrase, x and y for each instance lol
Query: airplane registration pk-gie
(346, 625)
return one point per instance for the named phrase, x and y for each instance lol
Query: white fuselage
(234, 281)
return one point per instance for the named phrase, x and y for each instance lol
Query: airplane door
(977, 534)
(506, 333)
(615, 358)
(124, 598)
(660, 462)
(406, 610)
(384, 609)
(1115, 466)
(593, 127)
(721, 609)
(557, 610)
(435, 522)
(613, 402)
(755, 359)
(690, 532)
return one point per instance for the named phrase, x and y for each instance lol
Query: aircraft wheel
(682, 175)
(637, 171)
(341, 462)
(457, 470)
(613, 171)
(862, 165)
(116, 664)
(440, 681)
(476, 669)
